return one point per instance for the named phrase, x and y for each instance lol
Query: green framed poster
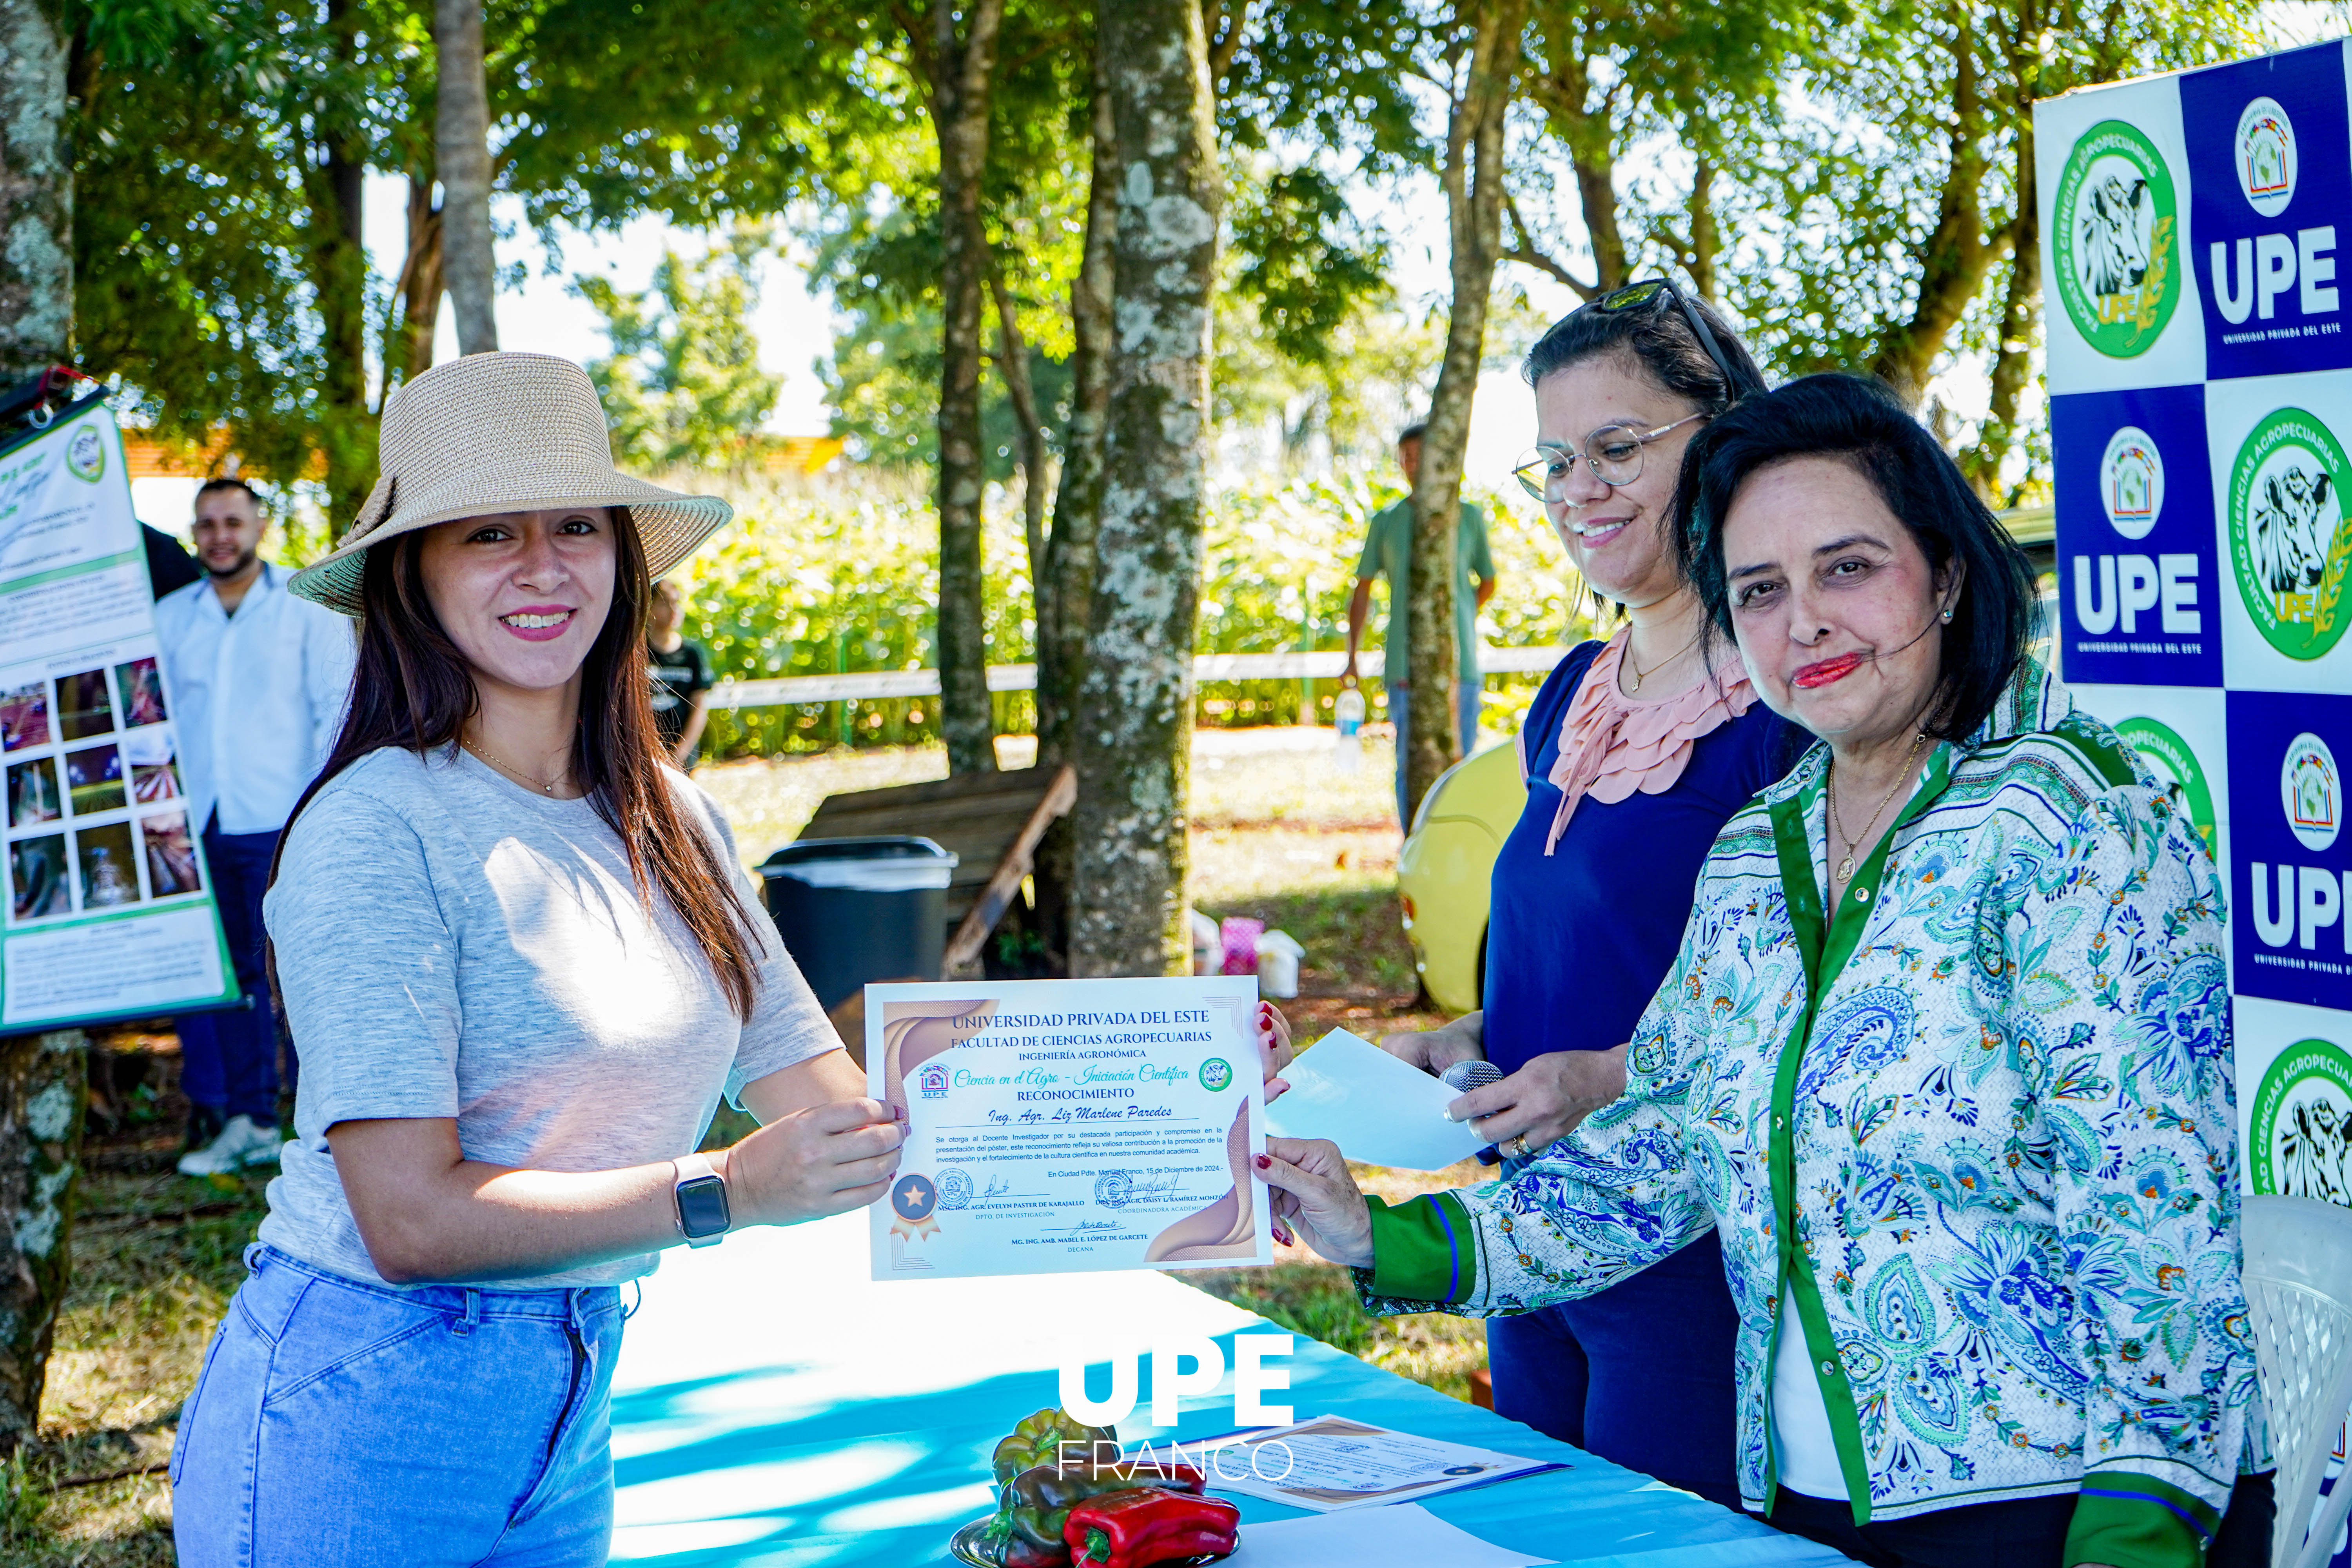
(110, 911)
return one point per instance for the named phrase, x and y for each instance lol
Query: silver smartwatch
(700, 1193)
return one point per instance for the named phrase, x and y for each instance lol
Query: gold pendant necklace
(1634, 685)
(1845, 867)
(511, 770)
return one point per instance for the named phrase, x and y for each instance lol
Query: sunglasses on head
(1651, 293)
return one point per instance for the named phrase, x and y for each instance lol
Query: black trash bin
(852, 911)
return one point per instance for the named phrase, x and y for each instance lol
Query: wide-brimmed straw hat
(498, 433)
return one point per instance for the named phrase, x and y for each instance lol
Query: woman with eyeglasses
(1635, 751)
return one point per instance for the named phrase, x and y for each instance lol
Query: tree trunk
(36, 193)
(420, 285)
(2013, 363)
(1473, 178)
(1564, 89)
(461, 143)
(1135, 719)
(42, 1077)
(335, 172)
(44, 1086)
(962, 73)
(1066, 591)
(1706, 241)
(1013, 366)
(1955, 257)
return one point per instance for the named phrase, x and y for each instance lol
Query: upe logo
(933, 1081)
(2169, 758)
(2287, 532)
(2110, 591)
(2131, 482)
(2311, 792)
(2267, 266)
(2266, 156)
(2301, 1132)
(2118, 264)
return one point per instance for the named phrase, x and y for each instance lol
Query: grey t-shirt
(451, 945)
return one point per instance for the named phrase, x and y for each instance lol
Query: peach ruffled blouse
(1610, 746)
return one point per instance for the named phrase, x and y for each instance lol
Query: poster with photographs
(109, 912)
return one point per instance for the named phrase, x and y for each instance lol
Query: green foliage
(683, 384)
(839, 579)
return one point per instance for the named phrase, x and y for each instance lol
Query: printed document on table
(1405, 1536)
(1067, 1126)
(1331, 1463)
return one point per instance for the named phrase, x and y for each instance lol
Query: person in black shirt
(170, 567)
(682, 677)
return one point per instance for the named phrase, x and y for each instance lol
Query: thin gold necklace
(513, 772)
(1845, 867)
(1634, 685)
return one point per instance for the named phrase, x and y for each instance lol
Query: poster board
(2194, 231)
(110, 911)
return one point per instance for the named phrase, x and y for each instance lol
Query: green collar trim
(1826, 953)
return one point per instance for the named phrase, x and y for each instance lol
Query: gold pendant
(1633, 685)
(1845, 869)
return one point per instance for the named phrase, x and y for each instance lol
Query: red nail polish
(1264, 1164)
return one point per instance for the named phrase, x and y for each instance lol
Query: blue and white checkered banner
(2201, 381)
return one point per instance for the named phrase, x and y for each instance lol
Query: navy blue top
(1579, 941)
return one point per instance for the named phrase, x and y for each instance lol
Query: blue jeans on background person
(228, 1058)
(341, 1425)
(1640, 1375)
(1473, 699)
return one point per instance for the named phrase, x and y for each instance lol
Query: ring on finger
(1518, 1147)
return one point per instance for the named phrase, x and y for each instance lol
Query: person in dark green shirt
(1387, 552)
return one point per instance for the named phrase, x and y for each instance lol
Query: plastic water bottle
(1348, 715)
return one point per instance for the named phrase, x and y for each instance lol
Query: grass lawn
(1280, 833)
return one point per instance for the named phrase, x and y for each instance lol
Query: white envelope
(1379, 1109)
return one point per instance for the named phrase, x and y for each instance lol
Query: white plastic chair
(2299, 1287)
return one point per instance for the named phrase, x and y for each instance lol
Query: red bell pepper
(1147, 1525)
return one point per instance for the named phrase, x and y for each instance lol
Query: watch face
(702, 1205)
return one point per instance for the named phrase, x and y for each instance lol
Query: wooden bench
(991, 821)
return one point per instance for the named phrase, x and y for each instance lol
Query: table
(773, 1407)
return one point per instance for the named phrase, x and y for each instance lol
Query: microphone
(1464, 1075)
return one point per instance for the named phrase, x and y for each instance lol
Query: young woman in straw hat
(522, 970)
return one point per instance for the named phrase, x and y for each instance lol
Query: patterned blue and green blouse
(1978, 1124)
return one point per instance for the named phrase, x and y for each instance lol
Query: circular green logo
(2117, 244)
(1215, 1073)
(2169, 758)
(85, 454)
(2287, 542)
(2301, 1134)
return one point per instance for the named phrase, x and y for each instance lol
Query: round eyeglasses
(1614, 453)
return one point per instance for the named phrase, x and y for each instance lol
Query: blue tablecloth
(772, 1406)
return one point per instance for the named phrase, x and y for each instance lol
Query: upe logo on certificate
(1061, 1126)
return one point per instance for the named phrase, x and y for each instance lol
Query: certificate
(1063, 1126)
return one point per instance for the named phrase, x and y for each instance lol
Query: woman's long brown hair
(412, 689)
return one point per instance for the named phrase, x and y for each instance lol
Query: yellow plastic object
(1444, 867)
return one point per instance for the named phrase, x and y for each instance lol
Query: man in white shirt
(259, 680)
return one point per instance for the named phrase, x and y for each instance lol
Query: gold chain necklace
(1845, 867)
(1634, 685)
(513, 772)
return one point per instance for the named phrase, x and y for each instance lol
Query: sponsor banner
(2121, 310)
(2180, 732)
(2138, 563)
(2270, 165)
(2295, 1100)
(2291, 859)
(2279, 464)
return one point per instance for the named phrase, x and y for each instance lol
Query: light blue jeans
(337, 1425)
(1473, 699)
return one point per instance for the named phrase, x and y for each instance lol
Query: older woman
(1945, 1060)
